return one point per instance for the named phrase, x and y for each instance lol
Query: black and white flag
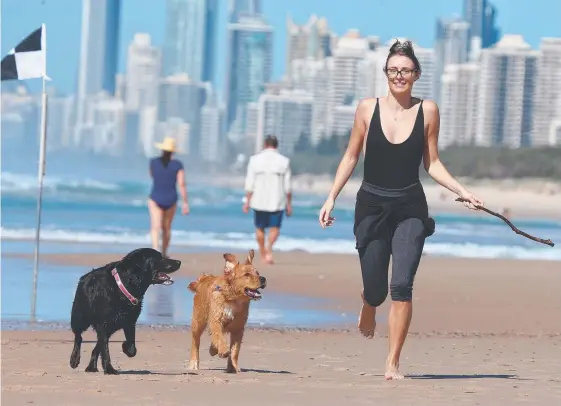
(28, 60)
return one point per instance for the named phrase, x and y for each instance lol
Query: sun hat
(168, 144)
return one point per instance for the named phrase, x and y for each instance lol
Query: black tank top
(393, 166)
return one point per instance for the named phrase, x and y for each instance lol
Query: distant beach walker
(166, 173)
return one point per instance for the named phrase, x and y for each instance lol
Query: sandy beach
(524, 197)
(483, 332)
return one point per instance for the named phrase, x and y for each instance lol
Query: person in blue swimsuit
(166, 174)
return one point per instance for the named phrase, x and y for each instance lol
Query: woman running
(396, 132)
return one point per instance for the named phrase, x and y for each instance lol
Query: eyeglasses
(405, 73)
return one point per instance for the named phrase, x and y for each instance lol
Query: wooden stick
(512, 226)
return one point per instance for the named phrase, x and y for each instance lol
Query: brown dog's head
(244, 279)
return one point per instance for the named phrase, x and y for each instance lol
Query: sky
(415, 19)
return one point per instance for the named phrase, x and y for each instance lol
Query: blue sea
(106, 216)
(115, 214)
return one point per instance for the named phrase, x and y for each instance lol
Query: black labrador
(109, 298)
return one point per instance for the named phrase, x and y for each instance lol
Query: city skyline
(63, 21)
(485, 76)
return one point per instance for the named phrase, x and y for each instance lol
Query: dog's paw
(110, 371)
(224, 354)
(74, 360)
(231, 369)
(91, 368)
(129, 349)
(194, 365)
(212, 350)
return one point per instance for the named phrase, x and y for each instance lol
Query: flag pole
(41, 174)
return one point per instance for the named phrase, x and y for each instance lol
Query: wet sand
(285, 368)
(483, 332)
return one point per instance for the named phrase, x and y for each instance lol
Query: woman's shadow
(464, 376)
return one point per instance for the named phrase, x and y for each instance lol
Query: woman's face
(401, 74)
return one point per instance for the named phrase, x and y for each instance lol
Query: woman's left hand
(185, 209)
(470, 200)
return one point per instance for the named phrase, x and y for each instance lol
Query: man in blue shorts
(268, 193)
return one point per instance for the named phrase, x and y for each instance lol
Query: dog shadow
(257, 371)
(146, 372)
(465, 376)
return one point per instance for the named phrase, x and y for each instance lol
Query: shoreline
(59, 326)
(444, 289)
(525, 198)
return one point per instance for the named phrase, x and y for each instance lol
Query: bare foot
(392, 372)
(367, 319)
(269, 258)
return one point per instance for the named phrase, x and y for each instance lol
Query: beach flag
(28, 60)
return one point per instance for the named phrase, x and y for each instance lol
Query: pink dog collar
(131, 298)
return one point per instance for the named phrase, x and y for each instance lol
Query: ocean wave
(18, 189)
(242, 241)
(13, 183)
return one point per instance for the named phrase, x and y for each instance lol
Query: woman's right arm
(354, 148)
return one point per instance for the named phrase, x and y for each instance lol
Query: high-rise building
(99, 48)
(314, 76)
(239, 8)
(451, 47)
(182, 98)
(311, 40)
(351, 49)
(249, 68)
(59, 122)
(371, 79)
(547, 98)
(108, 127)
(189, 44)
(177, 128)
(287, 115)
(481, 16)
(99, 54)
(143, 68)
(343, 118)
(506, 88)
(212, 146)
(458, 107)
(348, 54)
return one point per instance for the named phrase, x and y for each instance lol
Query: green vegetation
(474, 162)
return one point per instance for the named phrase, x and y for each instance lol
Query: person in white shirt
(268, 193)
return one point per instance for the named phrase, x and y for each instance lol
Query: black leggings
(406, 247)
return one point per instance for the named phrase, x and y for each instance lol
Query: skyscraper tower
(99, 48)
(239, 8)
(99, 55)
(189, 45)
(249, 68)
(481, 16)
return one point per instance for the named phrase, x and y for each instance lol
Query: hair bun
(402, 46)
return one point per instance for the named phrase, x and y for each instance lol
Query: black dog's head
(162, 268)
(145, 266)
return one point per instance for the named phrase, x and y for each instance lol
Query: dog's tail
(195, 284)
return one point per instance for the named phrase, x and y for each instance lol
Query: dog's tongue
(165, 277)
(254, 293)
